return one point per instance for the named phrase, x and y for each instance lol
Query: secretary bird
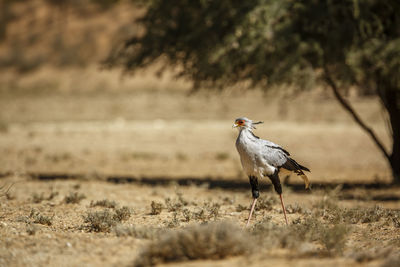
(262, 158)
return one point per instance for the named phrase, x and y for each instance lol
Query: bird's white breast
(251, 156)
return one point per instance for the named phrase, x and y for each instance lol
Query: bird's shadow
(237, 184)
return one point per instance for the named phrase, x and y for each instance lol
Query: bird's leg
(278, 188)
(251, 211)
(255, 193)
(284, 209)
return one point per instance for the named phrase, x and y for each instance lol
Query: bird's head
(244, 122)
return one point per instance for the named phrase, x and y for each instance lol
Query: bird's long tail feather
(292, 165)
(304, 177)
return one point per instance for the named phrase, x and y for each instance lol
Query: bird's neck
(246, 133)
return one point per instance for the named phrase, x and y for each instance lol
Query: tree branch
(346, 105)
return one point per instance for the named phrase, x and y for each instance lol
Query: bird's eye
(241, 122)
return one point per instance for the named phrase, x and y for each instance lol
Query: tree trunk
(391, 100)
(395, 161)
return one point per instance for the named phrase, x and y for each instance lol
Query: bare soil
(157, 139)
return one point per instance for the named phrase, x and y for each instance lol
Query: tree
(342, 44)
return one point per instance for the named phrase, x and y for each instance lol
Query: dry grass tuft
(74, 198)
(266, 203)
(187, 215)
(100, 221)
(111, 204)
(40, 219)
(334, 238)
(369, 215)
(331, 212)
(37, 198)
(240, 208)
(103, 221)
(308, 231)
(122, 214)
(296, 208)
(174, 222)
(177, 204)
(204, 214)
(156, 208)
(214, 211)
(210, 241)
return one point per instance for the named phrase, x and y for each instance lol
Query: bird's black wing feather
(292, 165)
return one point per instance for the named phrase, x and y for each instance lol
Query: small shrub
(266, 203)
(103, 221)
(156, 208)
(204, 214)
(214, 211)
(240, 208)
(36, 198)
(200, 215)
(210, 241)
(294, 209)
(187, 215)
(176, 204)
(396, 221)
(100, 221)
(172, 206)
(335, 214)
(122, 214)
(74, 198)
(174, 221)
(104, 203)
(295, 235)
(40, 219)
(367, 215)
(334, 238)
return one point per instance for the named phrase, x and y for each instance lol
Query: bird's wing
(272, 153)
(272, 145)
(276, 156)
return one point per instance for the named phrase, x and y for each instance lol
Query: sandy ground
(168, 136)
(66, 242)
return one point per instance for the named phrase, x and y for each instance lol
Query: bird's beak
(234, 125)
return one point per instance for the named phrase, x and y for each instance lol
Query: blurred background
(64, 111)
